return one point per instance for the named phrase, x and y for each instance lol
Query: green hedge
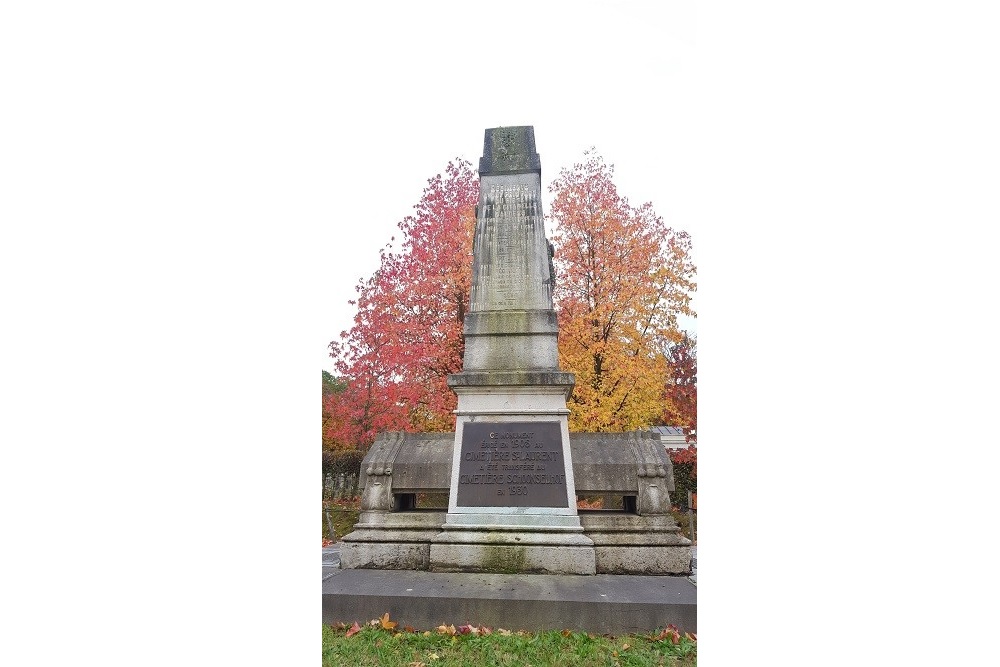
(685, 464)
(684, 481)
(347, 462)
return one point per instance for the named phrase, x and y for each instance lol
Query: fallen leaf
(690, 636)
(565, 633)
(355, 629)
(409, 628)
(670, 632)
(504, 633)
(386, 623)
(417, 664)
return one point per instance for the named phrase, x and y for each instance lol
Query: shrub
(685, 464)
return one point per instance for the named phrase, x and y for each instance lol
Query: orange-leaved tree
(407, 333)
(623, 277)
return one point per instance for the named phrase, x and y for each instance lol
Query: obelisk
(512, 505)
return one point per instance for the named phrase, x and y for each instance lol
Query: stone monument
(512, 501)
(511, 471)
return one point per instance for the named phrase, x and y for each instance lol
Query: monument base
(391, 541)
(631, 544)
(507, 550)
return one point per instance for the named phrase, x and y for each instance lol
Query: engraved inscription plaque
(512, 464)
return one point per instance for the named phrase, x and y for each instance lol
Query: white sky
(190, 191)
(619, 80)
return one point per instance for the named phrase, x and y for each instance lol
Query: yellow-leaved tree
(623, 277)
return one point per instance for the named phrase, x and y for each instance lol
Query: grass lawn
(382, 642)
(343, 514)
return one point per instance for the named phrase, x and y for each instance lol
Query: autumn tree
(407, 333)
(333, 387)
(624, 276)
(680, 399)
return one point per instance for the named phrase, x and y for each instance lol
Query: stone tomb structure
(511, 469)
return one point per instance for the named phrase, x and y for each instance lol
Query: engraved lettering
(514, 474)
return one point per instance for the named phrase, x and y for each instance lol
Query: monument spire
(511, 331)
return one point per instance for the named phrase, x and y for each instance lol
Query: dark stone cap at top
(509, 150)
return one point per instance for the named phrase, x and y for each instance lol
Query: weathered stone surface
(391, 540)
(509, 150)
(509, 558)
(385, 555)
(506, 352)
(643, 560)
(610, 527)
(627, 543)
(423, 463)
(511, 323)
(419, 522)
(513, 378)
(602, 462)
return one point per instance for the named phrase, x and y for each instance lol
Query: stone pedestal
(520, 515)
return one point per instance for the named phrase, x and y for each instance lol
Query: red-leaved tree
(681, 391)
(407, 333)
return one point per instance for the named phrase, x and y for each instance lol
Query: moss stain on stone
(504, 560)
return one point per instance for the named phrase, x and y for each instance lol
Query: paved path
(331, 561)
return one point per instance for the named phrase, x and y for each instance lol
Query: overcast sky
(619, 80)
